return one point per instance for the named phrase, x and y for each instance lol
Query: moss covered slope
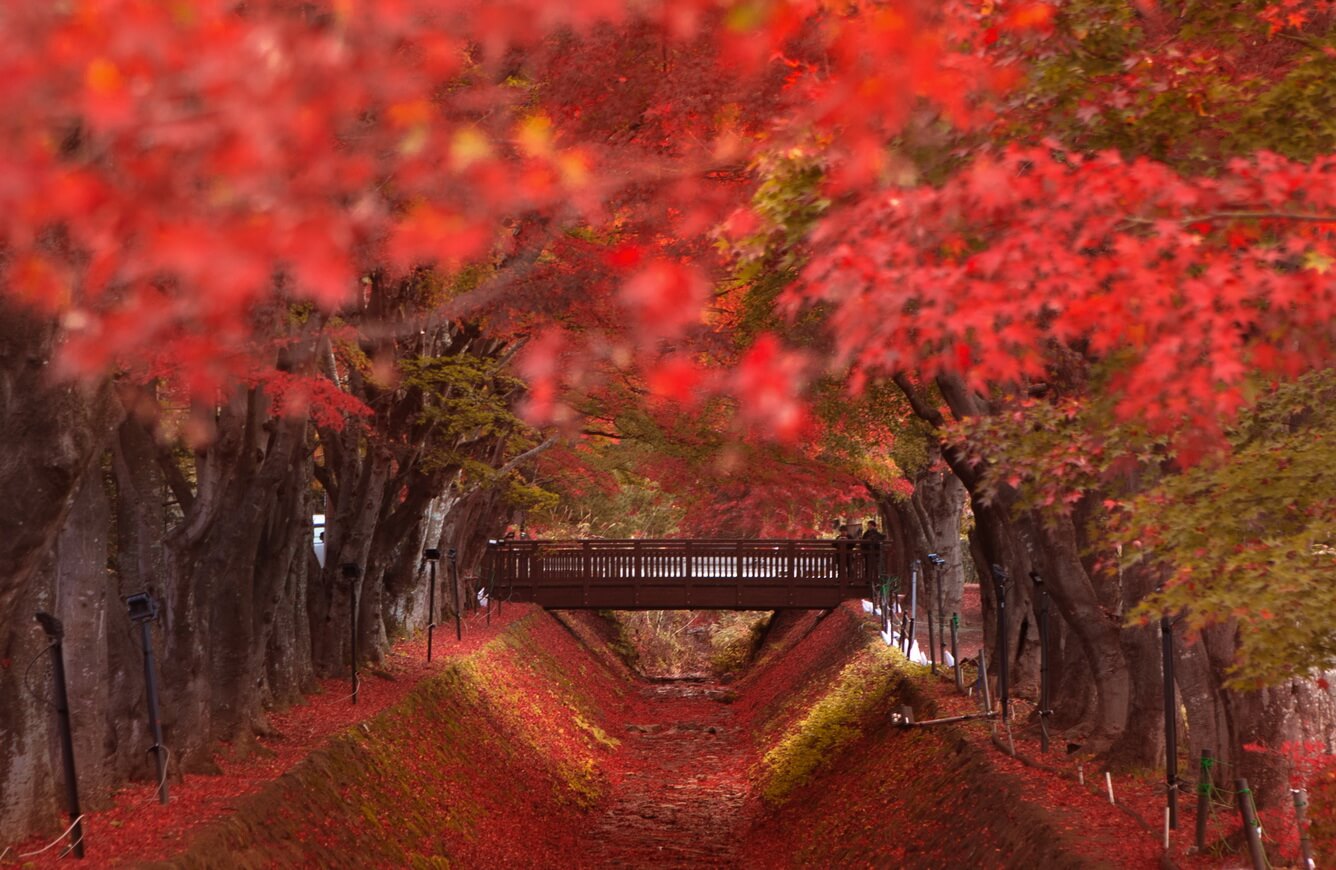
(491, 762)
(838, 784)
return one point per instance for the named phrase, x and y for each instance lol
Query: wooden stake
(1205, 785)
(1301, 818)
(1251, 828)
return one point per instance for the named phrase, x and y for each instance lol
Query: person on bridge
(872, 546)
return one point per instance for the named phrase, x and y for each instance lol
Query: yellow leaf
(534, 136)
(468, 146)
(103, 76)
(1318, 262)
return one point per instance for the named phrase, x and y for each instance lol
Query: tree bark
(52, 433)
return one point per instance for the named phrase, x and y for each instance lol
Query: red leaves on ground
(136, 829)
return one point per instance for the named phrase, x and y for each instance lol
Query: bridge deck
(680, 574)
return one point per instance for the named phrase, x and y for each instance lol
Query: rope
(52, 844)
(167, 758)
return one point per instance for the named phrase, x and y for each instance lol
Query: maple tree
(200, 199)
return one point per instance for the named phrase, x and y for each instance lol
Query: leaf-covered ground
(531, 744)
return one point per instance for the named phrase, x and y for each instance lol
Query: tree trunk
(1096, 631)
(52, 433)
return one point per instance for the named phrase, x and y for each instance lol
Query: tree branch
(921, 408)
(1212, 217)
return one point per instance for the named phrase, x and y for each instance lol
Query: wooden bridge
(681, 574)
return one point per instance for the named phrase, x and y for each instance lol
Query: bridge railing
(648, 574)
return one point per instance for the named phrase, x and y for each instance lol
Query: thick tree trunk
(52, 433)
(898, 520)
(228, 564)
(1096, 631)
(100, 657)
(360, 474)
(939, 498)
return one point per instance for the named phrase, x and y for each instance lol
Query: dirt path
(677, 800)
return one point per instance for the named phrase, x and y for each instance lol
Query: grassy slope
(441, 780)
(838, 785)
(500, 760)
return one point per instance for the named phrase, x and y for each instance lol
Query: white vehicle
(318, 537)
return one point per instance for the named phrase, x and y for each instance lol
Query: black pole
(913, 605)
(955, 650)
(1205, 787)
(143, 610)
(932, 633)
(431, 554)
(158, 750)
(938, 563)
(453, 555)
(1000, 586)
(489, 571)
(1170, 721)
(904, 617)
(350, 573)
(939, 611)
(56, 632)
(1041, 592)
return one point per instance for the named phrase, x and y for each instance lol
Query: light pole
(1170, 720)
(1000, 587)
(351, 571)
(937, 564)
(1041, 593)
(453, 555)
(431, 555)
(143, 610)
(56, 632)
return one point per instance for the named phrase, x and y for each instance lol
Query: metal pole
(932, 634)
(913, 605)
(159, 754)
(878, 575)
(983, 680)
(883, 603)
(1170, 721)
(940, 605)
(1000, 586)
(1251, 828)
(431, 554)
(350, 573)
(1042, 593)
(56, 632)
(1301, 819)
(144, 610)
(955, 651)
(1205, 786)
(904, 621)
(453, 555)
